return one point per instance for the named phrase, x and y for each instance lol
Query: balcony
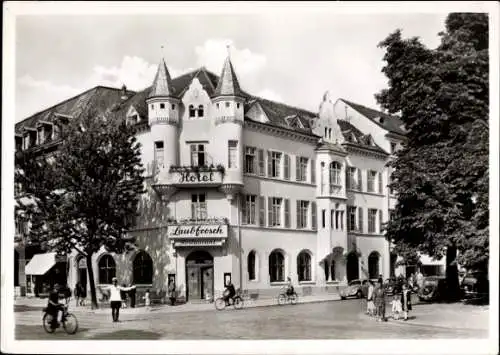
(195, 232)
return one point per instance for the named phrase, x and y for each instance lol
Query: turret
(227, 106)
(163, 117)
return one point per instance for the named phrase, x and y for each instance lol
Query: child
(396, 307)
(147, 300)
(406, 301)
(370, 306)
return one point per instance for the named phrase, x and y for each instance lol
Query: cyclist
(229, 292)
(289, 287)
(53, 306)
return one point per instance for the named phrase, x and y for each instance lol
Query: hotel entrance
(199, 276)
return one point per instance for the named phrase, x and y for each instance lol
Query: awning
(40, 264)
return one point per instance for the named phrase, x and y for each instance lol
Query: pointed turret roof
(228, 82)
(162, 85)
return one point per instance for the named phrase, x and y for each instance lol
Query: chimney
(124, 92)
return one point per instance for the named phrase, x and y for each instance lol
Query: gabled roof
(228, 84)
(162, 83)
(389, 122)
(360, 140)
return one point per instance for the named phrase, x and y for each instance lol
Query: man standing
(115, 298)
(379, 298)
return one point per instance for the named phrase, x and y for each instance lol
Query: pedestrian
(147, 300)
(379, 300)
(396, 306)
(77, 293)
(420, 280)
(405, 301)
(370, 306)
(115, 293)
(132, 295)
(171, 292)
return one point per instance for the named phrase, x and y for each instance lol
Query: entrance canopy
(40, 264)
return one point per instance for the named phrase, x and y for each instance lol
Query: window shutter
(360, 180)
(314, 224)
(261, 163)
(287, 167)
(269, 164)
(360, 219)
(297, 210)
(297, 168)
(287, 213)
(313, 171)
(244, 209)
(255, 164)
(379, 183)
(380, 221)
(270, 211)
(262, 211)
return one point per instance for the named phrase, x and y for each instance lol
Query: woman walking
(370, 306)
(379, 300)
(406, 301)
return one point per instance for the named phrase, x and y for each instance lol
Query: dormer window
(173, 106)
(162, 106)
(217, 105)
(152, 106)
(227, 104)
(238, 105)
(200, 111)
(192, 111)
(393, 147)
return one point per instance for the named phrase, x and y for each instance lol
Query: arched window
(192, 111)
(200, 111)
(304, 266)
(251, 265)
(276, 266)
(335, 169)
(143, 268)
(373, 265)
(107, 269)
(332, 270)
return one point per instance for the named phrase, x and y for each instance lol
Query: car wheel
(342, 297)
(359, 294)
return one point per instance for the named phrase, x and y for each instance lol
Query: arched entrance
(82, 273)
(373, 265)
(199, 275)
(352, 267)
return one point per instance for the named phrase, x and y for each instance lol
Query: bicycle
(236, 301)
(284, 297)
(68, 320)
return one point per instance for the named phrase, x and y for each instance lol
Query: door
(207, 277)
(352, 267)
(194, 283)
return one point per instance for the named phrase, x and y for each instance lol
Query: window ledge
(333, 282)
(278, 283)
(279, 179)
(307, 282)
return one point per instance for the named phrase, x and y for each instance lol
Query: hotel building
(238, 187)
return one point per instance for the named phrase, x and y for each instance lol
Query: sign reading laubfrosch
(198, 231)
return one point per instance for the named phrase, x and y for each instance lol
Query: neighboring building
(243, 188)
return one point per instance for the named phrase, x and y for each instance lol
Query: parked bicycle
(286, 297)
(236, 301)
(68, 320)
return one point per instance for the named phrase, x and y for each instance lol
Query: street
(326, 320)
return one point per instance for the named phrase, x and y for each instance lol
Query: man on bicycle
(229, 292)
(289, 287)
(53, 306)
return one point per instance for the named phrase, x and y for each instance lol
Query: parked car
(475, 286)
(393, 285)
(434, 288)
(356, 288)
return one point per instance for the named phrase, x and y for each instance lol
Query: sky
(291, 57)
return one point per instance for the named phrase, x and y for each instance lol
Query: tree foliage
(441, 174)
(86, 195)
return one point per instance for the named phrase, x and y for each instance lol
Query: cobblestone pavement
(327, 320)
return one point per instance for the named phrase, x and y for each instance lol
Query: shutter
(297, 168)
(380, 221)
(313, 171)
(269, 164)
(244, 209)
(287, 213)
(270, 211)
(297, 210)
(262, 211)
(379, 183)
(314, 224)
(360, 219)
(261, 162)
(255, 164)
(360, 180)
(287, 167)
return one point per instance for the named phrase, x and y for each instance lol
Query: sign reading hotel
(200, 231)
(197, 178)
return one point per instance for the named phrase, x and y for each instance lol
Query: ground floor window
(107, 269)
(143, 268)
(251, 265)
(304, 266)
(277, 266)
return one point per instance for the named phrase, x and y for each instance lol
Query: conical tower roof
(162, 84)
(228, 82)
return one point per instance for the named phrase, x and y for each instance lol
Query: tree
(87, 193)
(441, 173)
